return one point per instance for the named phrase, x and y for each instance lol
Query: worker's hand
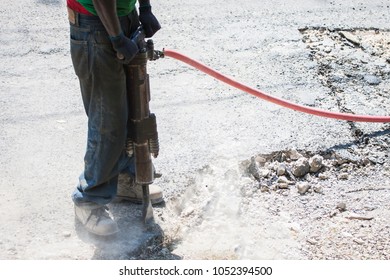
(126, 49)
(148, 21)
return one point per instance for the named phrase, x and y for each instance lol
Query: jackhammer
(142, 139)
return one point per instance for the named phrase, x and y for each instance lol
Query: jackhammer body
(142, 127)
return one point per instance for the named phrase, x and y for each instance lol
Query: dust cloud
(216, 220)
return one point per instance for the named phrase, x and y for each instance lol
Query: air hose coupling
(159, 54)
(153, 54)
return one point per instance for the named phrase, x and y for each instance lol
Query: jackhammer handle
(146, 46)
(138, 37)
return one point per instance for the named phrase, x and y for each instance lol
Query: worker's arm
(126, 49)
(106, 10)
(147, 19)
(143, 3)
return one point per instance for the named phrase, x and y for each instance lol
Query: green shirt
(123, 7)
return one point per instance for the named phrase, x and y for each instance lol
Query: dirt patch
(355, 65)
(327, 212)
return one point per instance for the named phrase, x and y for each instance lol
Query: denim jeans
(103, 89)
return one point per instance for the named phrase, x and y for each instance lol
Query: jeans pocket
(101, 38)
(79, 54)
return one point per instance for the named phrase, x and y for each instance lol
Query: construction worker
(100, 46)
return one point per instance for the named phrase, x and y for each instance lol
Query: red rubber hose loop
(267, 97)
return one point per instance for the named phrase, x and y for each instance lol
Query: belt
(74, 17)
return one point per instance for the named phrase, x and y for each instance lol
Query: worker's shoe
(96, 220)
(129, 190)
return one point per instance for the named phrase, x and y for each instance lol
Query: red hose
(282, 102)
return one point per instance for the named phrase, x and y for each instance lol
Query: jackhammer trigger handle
(138, 37)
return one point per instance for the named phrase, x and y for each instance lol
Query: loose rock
(282, 186)
(318, 189)
(323, 176)
(341, 206)
(257, 171)
(343, 176)
(301, 167)
(284, 180)
(281, 170)
(303, 187)
(264, 188)
(372, 80)
(350, 37)
(315, 163)
(260, 160)
(294, 154)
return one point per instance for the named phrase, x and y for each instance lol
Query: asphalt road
(201, 122)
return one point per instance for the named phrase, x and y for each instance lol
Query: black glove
(148, 21)
(125, 48)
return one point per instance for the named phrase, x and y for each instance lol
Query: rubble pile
(303, 171)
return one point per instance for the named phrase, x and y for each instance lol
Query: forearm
(106, 10)
(143, 3)
(148, 21)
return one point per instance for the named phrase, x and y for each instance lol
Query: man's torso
(124, 7)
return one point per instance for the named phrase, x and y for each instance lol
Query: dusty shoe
(96, 220)
(128, 190)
